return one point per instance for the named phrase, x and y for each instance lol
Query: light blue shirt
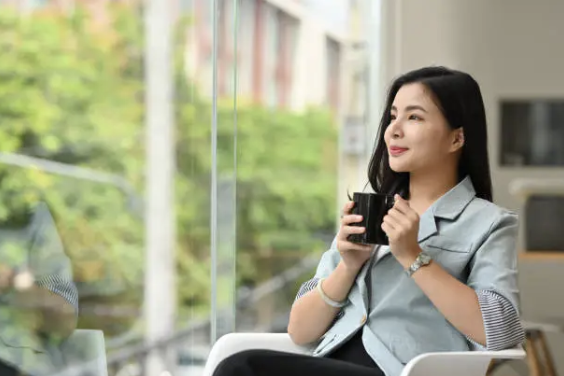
(472, 239)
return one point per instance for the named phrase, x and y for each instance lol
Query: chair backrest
(84, 353)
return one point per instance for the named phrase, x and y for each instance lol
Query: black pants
(350, 360)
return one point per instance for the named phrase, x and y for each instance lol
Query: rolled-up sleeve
(62, 287)
(493, 275)
(501, 322)
(306, 287)
(326, 266)
(329, 261)
(47, 260)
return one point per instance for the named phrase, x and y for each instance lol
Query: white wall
(515, 49)
(512, 47)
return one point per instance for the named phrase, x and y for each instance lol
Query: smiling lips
(396, 151)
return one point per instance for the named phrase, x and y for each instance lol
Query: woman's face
(418, 137)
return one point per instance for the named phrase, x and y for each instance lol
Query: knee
(236, 364)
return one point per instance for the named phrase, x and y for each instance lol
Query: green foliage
(285, 189)
(72, 91)
(67, 95)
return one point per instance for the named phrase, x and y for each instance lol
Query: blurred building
(285, 55)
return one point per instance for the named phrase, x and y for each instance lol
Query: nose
(395, 129)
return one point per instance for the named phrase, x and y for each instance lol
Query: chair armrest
(466, 363)
(233, 343)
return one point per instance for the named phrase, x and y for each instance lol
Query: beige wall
(514, 48)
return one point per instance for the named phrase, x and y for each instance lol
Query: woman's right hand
(353, 255)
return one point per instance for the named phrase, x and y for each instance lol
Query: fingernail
(358, 217)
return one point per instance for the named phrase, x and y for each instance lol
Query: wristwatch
(422, 259)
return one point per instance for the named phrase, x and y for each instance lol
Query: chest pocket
(452, 254)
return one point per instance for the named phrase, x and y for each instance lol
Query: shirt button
(363, 320)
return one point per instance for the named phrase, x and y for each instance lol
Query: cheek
(434, 148)
(442, 143)
(387, 136)
(427, 146)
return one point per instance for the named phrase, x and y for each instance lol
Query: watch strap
(422, 260)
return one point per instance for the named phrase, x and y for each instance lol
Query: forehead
(413, 94)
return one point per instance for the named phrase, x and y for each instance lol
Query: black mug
(373, 207)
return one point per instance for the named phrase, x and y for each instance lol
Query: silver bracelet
(327, 299)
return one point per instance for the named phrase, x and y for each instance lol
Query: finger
(399, 217)
(348, 208)
(406, 210)
(402, 205)
(392, 222)
(387, 229)
(348, 219)
(395, 213)
(348, 230)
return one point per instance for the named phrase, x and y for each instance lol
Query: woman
(448, 279)
(38, 311)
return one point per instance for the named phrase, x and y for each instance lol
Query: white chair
(469, 363)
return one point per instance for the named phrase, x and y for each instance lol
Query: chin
(399, 167)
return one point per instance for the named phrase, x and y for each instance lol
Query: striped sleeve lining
(309, 286)
(501, 322)
(62, 287)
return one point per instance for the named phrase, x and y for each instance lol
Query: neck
(426, 188)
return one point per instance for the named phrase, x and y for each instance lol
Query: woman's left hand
(401, 224)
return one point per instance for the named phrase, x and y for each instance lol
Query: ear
(458, 139)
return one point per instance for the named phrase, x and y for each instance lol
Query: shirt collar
(452, 203)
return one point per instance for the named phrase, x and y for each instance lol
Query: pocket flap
(326, 341)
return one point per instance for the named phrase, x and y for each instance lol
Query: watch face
(425, 258)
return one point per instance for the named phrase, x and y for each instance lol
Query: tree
(74, 94)
(69, 95)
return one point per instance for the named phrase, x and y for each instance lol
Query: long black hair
(459, 98)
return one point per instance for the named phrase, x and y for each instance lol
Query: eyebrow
(410, 108)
